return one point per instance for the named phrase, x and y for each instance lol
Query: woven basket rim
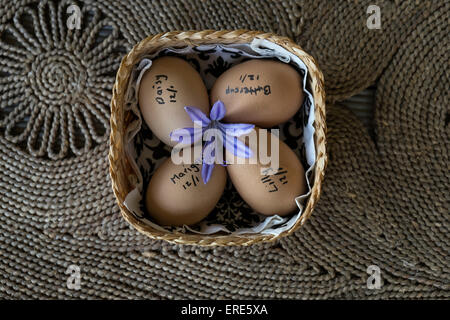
(118, 164)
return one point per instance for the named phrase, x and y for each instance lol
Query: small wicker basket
(120, 169)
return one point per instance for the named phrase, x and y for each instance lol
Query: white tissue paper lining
(258, 48)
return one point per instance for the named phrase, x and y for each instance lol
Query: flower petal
(217, 111)
(185, 135)
(207, 170)
(237, 147)
(236, 129)
(209, 152)
(197, 115)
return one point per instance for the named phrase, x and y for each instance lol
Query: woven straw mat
(385, 199)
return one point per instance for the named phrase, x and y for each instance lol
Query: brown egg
(165, 89)
(263, 92)
(269, 194)
(176, 194)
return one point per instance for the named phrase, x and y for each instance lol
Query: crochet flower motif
(55, 81)
(227, 136)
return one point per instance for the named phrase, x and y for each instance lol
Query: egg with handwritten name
(176, 194)
(271, 179)
(263, 92)
(166, 88)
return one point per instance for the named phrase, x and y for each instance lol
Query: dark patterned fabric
(385, 200)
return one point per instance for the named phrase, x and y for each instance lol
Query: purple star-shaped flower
(227, 137)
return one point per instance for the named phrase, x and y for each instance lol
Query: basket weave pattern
(120, 170)
(384, 199)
